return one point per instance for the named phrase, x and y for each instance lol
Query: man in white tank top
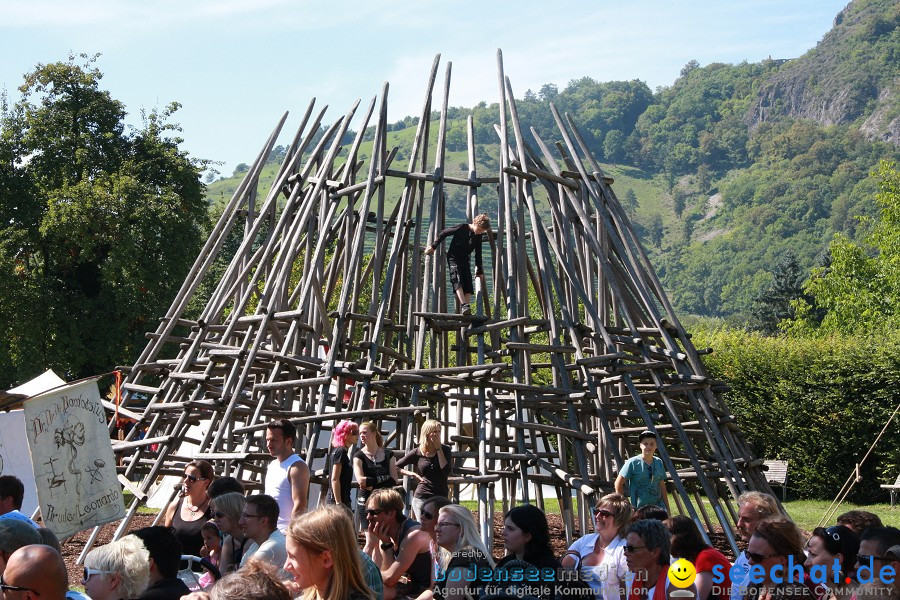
(287, 477)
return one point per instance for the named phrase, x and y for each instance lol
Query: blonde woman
(374, 466)
(600, 556)
(457, 533)
(226, 510)
(323, 558)
(431, 466)
(120, 569)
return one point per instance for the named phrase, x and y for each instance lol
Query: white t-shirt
(279, 487)
(608, 578)
(271, 551)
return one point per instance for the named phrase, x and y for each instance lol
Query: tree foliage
(100, 223)
(773, 304)
(860, 289)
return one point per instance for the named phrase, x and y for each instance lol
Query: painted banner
(72, 457)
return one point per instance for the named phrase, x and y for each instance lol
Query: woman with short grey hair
(120, 569)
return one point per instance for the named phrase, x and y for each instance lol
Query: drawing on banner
(70, 437)
(72, 456)
(95, 470)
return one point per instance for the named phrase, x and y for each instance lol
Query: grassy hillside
(650, 189)
(732, 170)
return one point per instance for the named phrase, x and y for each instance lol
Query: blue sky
(237, 65)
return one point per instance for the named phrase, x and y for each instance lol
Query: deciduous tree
(100, 223)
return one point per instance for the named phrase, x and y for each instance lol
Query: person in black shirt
(165, 556)
(430, 464)
(466, 239)
(344, 436)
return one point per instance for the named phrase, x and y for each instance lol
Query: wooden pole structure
(328, 310)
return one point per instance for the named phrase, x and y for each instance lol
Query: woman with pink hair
(343, 436)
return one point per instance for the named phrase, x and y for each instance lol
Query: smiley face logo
(682, 573)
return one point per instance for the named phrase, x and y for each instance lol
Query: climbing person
(466, 237)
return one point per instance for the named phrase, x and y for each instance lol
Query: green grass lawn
(806, 513)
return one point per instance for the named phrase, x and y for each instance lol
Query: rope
(855, 477)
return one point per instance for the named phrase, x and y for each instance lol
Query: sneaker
(465, 309)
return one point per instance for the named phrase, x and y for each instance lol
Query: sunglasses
(246, 516)
(15, 588)
(89, 571)
(374, 512)
(192, 478)
(427, 515)
(758, 558)
(602, 512)
(865, 559)
(442, 525)
(629, 548)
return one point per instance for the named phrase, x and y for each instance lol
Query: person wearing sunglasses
(688, 543)
(776, 543)
(190, 510)
(397, 545)
(879, 553)
(120, 569)
(753, 507)
(457, 533)
(428, 521)
(226, 510)
(34, 572)
(647, 554)
(343, 438)
(599, 556)
(825, 546)
(374, 466)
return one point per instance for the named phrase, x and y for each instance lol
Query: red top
(709, 558)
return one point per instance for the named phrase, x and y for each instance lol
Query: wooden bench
(894, 489)
(776, 473)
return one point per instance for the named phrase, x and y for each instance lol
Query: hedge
(816, 402)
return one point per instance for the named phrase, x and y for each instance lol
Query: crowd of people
(269, 545)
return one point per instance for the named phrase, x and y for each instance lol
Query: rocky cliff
(852, 75)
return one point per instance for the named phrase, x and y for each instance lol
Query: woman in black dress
(190, 510)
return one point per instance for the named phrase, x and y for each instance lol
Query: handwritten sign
(74, 466)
